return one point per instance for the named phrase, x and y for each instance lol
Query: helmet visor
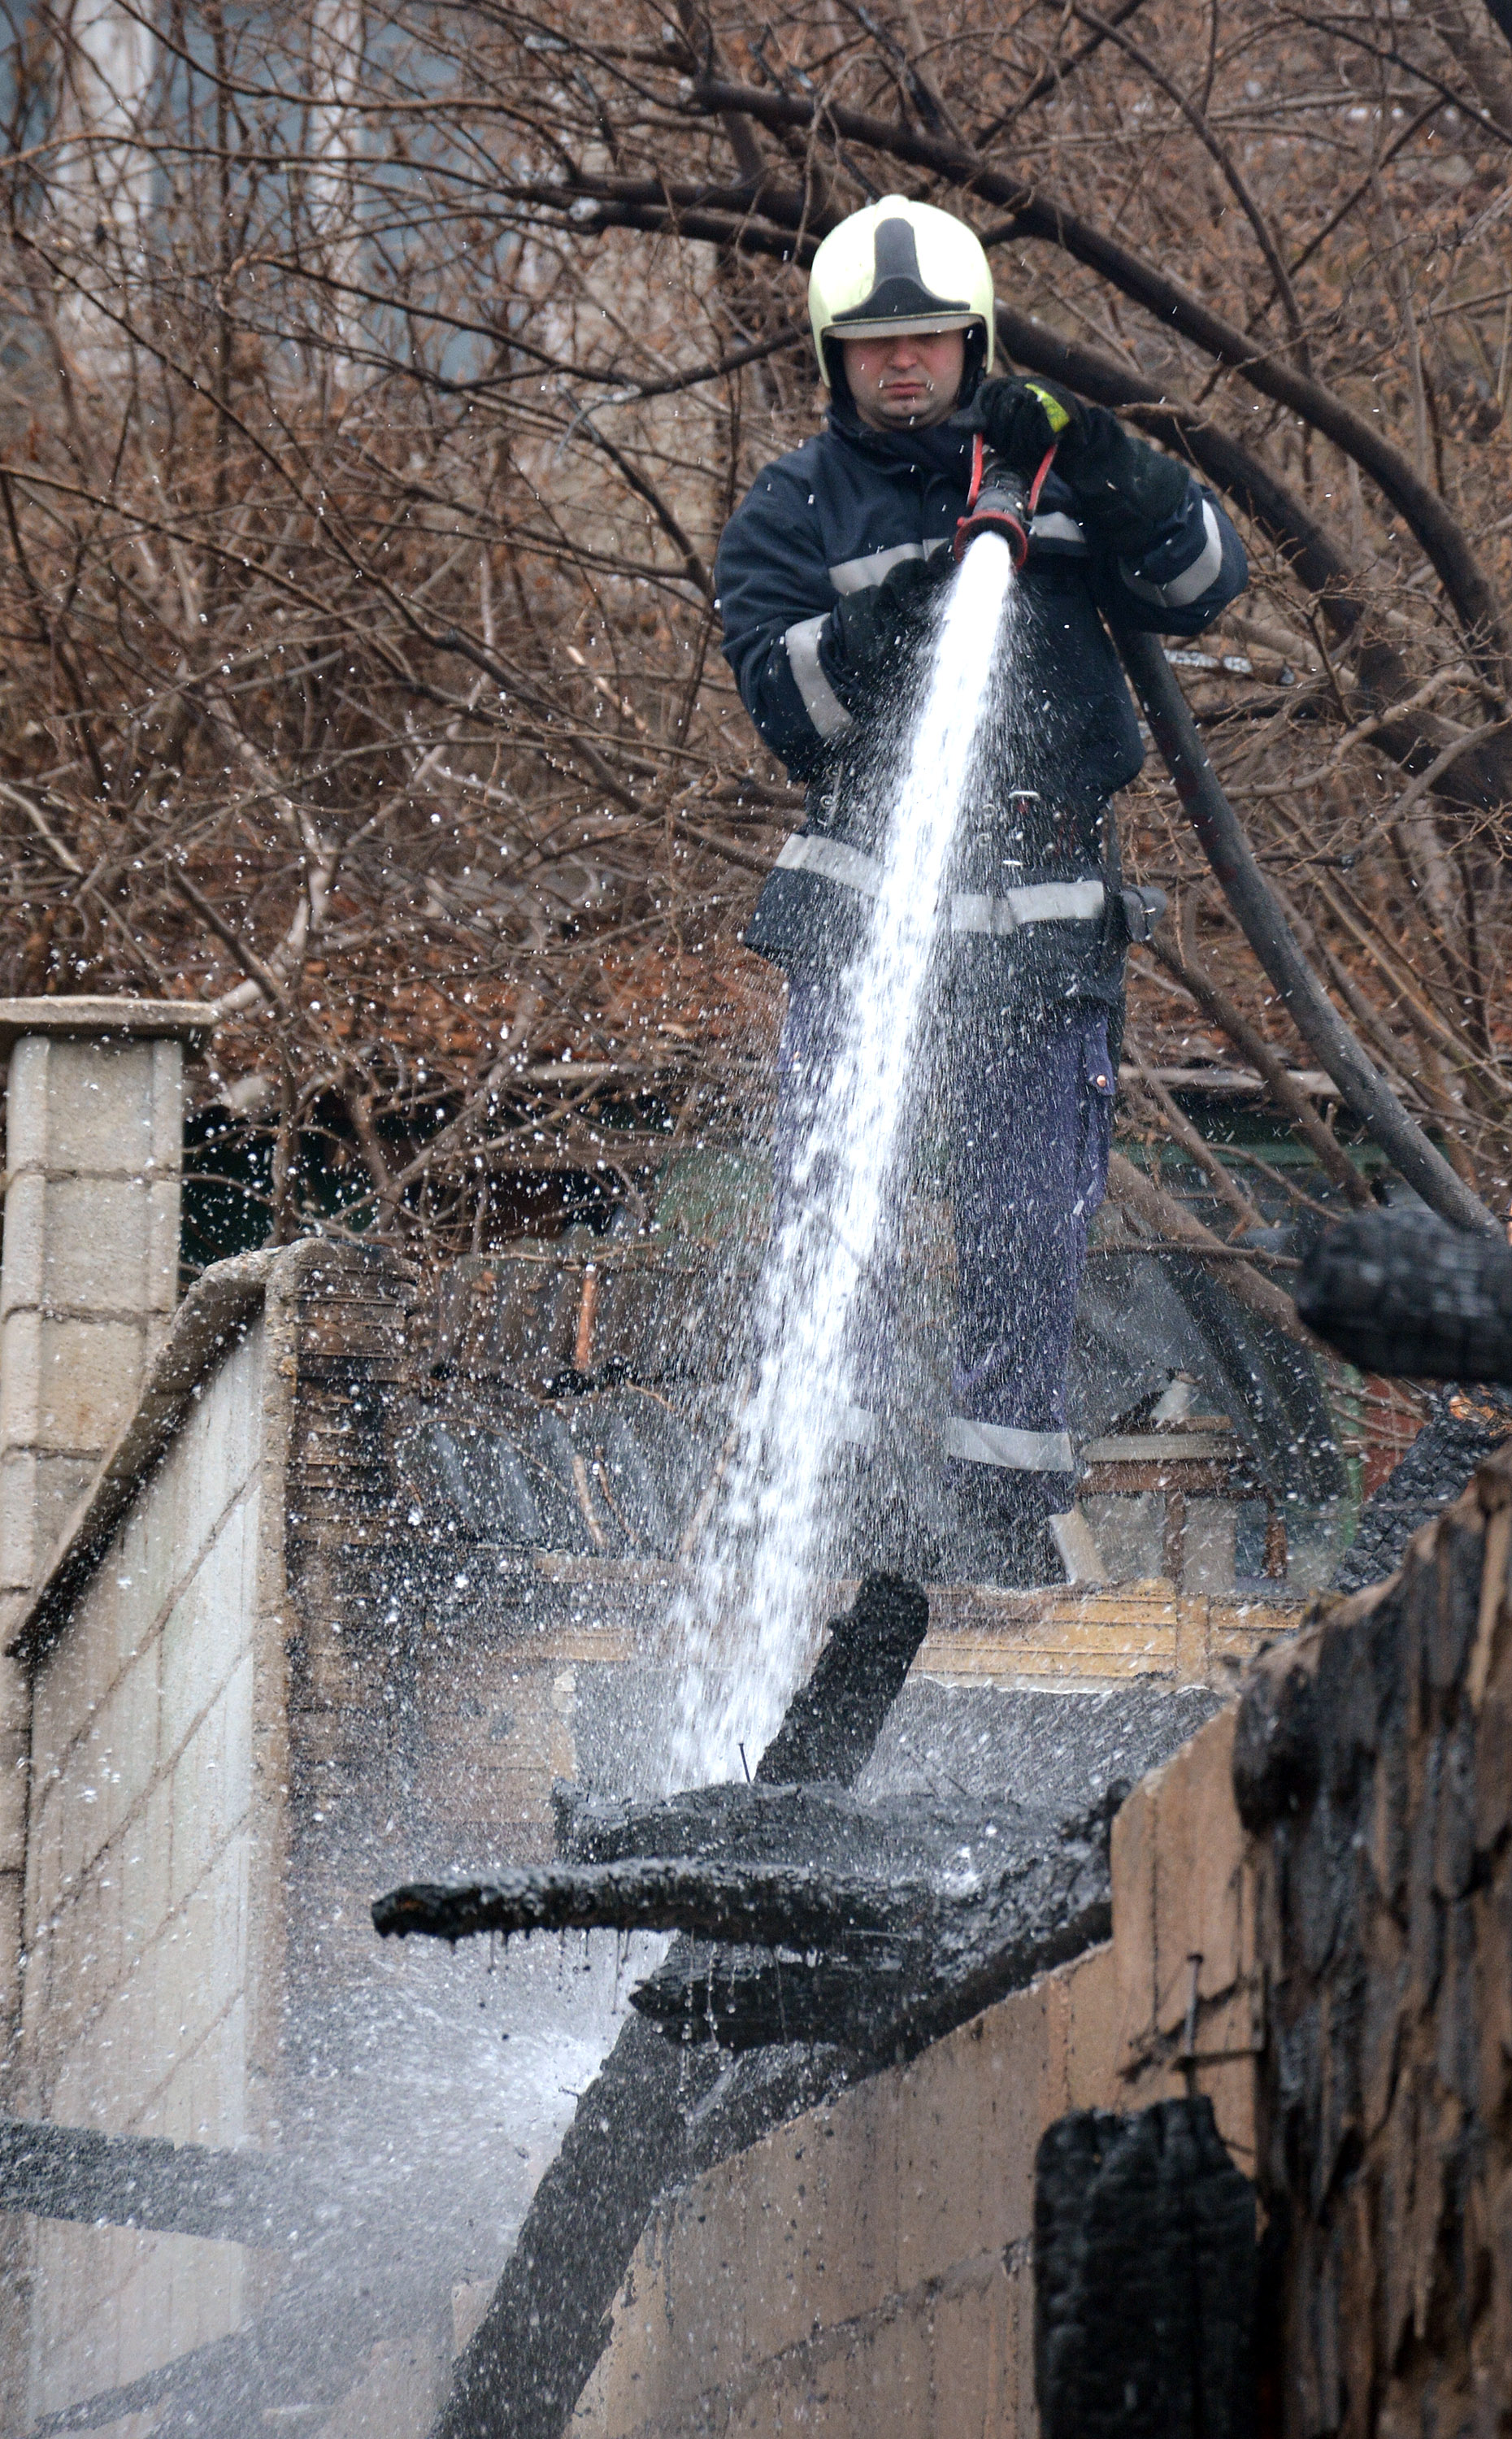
(899, 326)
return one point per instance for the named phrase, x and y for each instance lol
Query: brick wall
(91, 1262)
(87, 1290)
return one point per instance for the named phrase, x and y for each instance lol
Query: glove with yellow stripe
(1123, 487)
(1021, 419)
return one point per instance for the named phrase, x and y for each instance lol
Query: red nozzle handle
(995, 518)
(1038, 484)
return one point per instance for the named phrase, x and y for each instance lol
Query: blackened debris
(1145, 2277)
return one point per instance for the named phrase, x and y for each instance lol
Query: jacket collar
(939, 448)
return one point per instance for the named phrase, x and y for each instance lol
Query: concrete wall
(866, 2271)
(149, 1863)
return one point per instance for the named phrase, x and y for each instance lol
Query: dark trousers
(1026, 1098)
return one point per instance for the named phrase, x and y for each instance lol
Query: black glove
(1124, 489)
(1021, 419)
(875, 633)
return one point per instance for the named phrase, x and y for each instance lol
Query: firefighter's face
(902, 383)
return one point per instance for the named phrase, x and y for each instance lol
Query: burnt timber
(905, 1933)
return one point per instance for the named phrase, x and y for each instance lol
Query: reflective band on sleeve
(1053, 525)
(858, 575)
(833, 861)
(1193, 581)
(1046, 901)
(1016, 1452)
(820, 701)
(857, 1426)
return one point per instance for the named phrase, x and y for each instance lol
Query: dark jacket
(836, 515)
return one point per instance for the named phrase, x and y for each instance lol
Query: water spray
(743, 1628)
(1000, 501)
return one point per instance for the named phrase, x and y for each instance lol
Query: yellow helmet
(899, 266)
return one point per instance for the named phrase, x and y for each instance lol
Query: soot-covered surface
(1371, 1769)
(1058, 1753)
(655, 2115)
(1463, 1434)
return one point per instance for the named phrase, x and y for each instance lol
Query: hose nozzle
(1000, 502)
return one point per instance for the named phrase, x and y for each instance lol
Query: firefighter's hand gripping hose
(875, 632)
(1017, 427)
(1021, 420)
(1124, 490)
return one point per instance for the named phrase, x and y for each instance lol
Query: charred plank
(645, 2120)
(911, 1982)
(833, 1721)
(74, 2172)
(793, 1902)
(857, 1960)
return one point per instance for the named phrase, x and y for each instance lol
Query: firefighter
(829, 578)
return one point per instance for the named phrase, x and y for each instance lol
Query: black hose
(1364, 1088)
(1397, 1292)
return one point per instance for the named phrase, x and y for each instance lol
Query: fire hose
(1361, 1083)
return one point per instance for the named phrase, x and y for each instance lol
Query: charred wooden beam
(752, 1999)
(73, 2172)
(862, 1960)
(796, 1903)
(947, 1953)
(833, 1721)
(547, 2322)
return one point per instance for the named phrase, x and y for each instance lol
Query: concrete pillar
(89, 1279)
